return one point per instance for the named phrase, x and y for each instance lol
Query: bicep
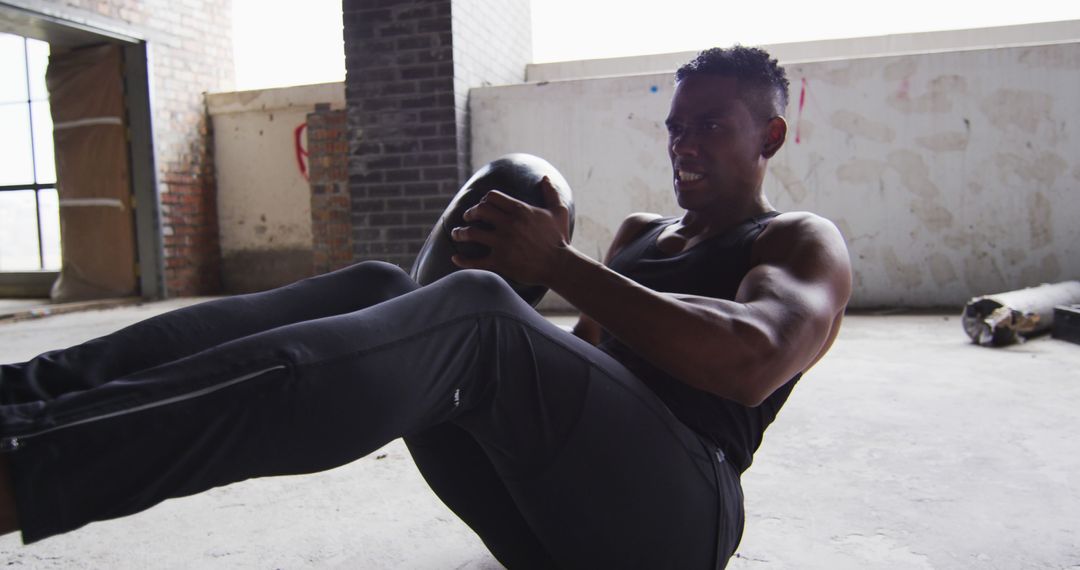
(804, 266)
(798, 289)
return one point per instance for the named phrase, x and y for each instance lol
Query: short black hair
(751, 66)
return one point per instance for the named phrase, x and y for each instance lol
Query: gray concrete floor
(906, 447)
(16, 305)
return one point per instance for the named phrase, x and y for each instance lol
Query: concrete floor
(906, 447)
(17, 305)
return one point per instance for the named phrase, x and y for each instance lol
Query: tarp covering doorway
(86, 92)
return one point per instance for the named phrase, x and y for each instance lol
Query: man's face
(715, 144)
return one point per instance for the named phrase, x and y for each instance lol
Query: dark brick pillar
(331, 226)
(409, 66)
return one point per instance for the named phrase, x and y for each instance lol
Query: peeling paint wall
(264, 201)
(950, 174)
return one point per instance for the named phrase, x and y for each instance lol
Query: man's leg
(458, 470)
(620, 483)
(597, 466)
(186, 331)
(8, 516)
(294, 399)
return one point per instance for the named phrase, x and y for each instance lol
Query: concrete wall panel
(1041, 33)
(950, 174)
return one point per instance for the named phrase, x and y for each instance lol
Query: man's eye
(710, 126)
(674, 129)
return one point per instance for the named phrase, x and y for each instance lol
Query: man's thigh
(601, 471)
(631, 488)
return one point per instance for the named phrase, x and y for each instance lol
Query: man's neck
(702, 224)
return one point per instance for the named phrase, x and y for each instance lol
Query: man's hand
(525, 241)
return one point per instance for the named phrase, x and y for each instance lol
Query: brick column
(409, 65)
(331, 226)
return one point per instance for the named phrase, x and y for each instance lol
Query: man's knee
(482, 287)
(374, 269)
(372, 278)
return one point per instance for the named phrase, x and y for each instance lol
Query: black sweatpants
(550, 449)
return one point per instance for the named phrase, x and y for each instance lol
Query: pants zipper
(717, 463)
(13, 442)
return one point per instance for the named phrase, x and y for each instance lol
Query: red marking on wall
(301, 152)
(802, 103)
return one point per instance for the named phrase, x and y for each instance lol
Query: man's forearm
(688, 340)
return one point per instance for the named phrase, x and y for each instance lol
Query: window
(29, 206)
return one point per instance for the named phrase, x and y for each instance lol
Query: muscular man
(621, 447)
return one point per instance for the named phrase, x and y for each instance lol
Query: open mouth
(687, 177)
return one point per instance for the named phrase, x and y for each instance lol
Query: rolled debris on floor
(1005, 318)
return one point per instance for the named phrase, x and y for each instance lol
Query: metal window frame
(37, 188)
(34, 185)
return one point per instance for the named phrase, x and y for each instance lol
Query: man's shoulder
(794, 229)
(638, 220)
(632, 226)
(802, 224)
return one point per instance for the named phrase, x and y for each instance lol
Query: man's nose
(684, 144)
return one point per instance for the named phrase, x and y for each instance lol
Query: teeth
(685, 176)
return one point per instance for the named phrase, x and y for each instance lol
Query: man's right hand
(525, 241)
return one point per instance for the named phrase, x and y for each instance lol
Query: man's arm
(587, 328)
(781, 321)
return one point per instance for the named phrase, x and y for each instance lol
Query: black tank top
(713, 268)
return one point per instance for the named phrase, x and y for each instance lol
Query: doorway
(108, 230)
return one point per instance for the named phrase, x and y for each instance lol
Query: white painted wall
(950, 174)
(264, 202)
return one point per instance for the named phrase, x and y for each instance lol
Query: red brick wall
(190, 51)
(190, 226)
(331, 218)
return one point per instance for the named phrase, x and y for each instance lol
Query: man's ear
(775, 133)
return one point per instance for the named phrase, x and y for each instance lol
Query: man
(557, 453)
